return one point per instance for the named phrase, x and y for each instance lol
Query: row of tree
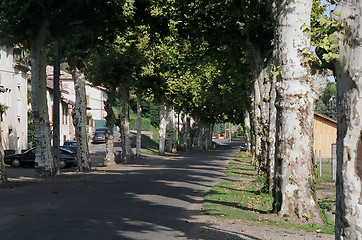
(211, 61)
(287, 86)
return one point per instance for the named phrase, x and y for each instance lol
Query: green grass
(148, 146)
(326, 172)
(245, 200)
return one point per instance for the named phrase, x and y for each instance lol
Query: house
(67, 131)
(14, 95)
(325, 135)
(96, 96)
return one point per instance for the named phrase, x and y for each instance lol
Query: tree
(116, 66)
(3, 176)
(94, 23)
(349, 104)
(299, 86)
(32, 25)
(327, 104)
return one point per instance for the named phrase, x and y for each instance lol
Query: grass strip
(245, 200)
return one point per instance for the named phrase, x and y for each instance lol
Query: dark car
(103, 129)
(99, 137)
(27, 158)
(70, 145)
(243, 147)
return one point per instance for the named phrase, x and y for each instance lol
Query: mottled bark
(110, 121)
(349, 103)
(184, 133)
(256, 119)
(198, 128)
(188, 130)
(272, 128)
(139, 126)
(124, 118)
(261, 109)
(3, 176)
(247, 130)
(170, 129)
(208, 135)
(44, 161)
(298, 88)
(79, 120)
(162, 127)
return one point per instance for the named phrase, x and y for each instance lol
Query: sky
(331, 8)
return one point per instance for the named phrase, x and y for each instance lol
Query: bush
(146, 124)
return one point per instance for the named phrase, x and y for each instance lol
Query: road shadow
(150, 198)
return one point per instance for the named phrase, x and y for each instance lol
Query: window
(19, 77)
(87, 99)
(19, 107)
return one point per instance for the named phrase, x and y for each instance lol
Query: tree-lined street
(262, 65)
(151, 198)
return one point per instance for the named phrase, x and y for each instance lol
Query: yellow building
(325, 134)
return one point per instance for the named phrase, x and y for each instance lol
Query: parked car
(27, 158)
(100, 129)
(70, 145)
(99, 137)
(9, 152)
(243, 147)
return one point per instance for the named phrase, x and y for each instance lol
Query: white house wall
(15, 120)
(65, 120)
(95, 98)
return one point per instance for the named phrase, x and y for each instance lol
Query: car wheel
(15, 163)
(62, 164)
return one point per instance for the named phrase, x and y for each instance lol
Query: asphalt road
(151, 198)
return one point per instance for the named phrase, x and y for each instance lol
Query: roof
(63, 75)
(325, 117)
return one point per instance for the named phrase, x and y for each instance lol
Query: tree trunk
(255, 118)
(297, 91)
(208, 135)
(3, 176)
(125, 130)
(247, 130)
(163, 124)
(80, 116)
(170, 129)
(44, 161)
(139, 126)
(110, 120)
(349, 142)
(272, 129)
(184, 132)
(199, 134)
(188, 132)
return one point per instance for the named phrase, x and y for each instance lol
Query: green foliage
(151, 111)
(322, 33)
(146, 124)
(30, 129)
(327, 104)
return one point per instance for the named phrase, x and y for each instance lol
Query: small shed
(325, 135)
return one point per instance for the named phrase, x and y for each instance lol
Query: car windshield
(71, 144)
(99, 134)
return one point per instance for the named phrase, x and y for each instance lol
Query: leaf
(332, 37)
(338, 14)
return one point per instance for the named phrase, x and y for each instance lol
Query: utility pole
(56, 103)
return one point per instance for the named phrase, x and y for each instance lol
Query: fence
(326, 167)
